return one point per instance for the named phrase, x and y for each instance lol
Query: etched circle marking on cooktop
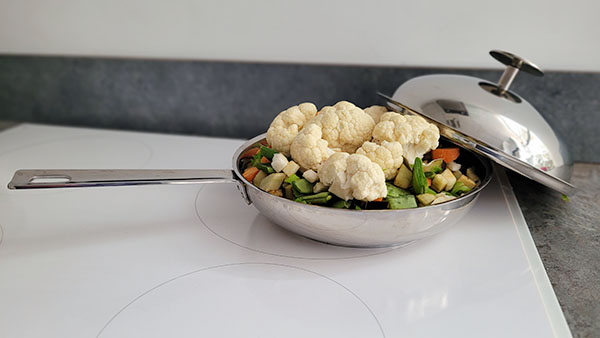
(221, 209)
(78, 152)
(246, 300)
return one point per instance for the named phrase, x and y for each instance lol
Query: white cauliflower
(353, 176)
(375, 112)
(308, 149)
(334, 166)
(344, 126)
(388, 155)
(416, 135)
(287, 124)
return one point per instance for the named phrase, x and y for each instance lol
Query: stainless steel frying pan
(354, 228)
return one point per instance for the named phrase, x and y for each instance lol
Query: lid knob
(514, 64)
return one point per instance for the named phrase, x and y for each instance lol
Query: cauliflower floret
(308, 149)
(375, 112)
(344, 126)
(388, 155)
(287, 124)
(333, 167)
(353, 176)
(416, 135)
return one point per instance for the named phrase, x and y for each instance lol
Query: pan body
(362, 228)
(354, 228)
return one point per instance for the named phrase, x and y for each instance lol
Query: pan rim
(453, 204)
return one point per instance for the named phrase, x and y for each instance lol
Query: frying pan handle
(81, 178)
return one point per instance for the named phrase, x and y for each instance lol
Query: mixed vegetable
(435, 179)
(345, 157)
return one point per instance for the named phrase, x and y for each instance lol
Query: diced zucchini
(453, 166)
(439, 183)
(302, 186)
(287, 192)
(272, 182)
(310, 176)
(296, 193)
(291, 168)
(403, 178)
(426, 199)
(279, 161)
(471, 174)
(434, 166)
(292, 178)
(402, 202)
(259, 177)
(466, 181)
(449, 176)
(442, 198)
(393, 191)
(319, 187)
(459, 188)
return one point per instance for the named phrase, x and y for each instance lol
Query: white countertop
(182, 261)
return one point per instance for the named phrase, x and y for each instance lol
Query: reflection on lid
(453, 107)
(522, 143)
(506, 134)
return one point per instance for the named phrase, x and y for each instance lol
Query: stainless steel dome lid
(491, 120)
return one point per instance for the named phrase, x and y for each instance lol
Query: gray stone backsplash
(235, 99)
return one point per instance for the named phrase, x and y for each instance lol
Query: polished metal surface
(512, 133)
(515, 61)
(354, 228)
(76, 178)
(361, 228)
(514, 64)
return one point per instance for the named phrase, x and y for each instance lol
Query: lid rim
(514, 164)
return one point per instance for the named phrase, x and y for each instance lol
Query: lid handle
(513, 64)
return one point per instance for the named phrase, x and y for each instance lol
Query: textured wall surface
(240, 99)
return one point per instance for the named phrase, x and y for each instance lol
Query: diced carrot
(378, 199)
(447, 154)
(250, 173)
(428, 182)
(264, 160)
(250, 152)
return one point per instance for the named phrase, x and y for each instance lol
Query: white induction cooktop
(196, 261)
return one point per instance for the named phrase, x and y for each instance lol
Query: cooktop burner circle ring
(245, 227)
(258, 271)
